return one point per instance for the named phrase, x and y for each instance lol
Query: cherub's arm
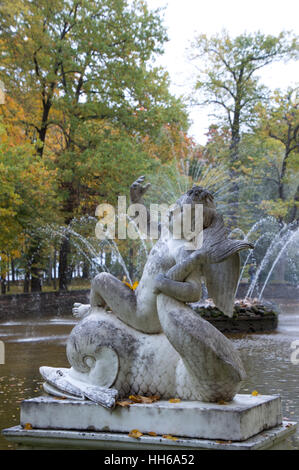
(189, 261)
(187, 291)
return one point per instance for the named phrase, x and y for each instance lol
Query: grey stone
(278, 438)
(239, 420)
(152, 342)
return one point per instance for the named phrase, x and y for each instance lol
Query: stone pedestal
(239, 420)
(246, 422)
(277, 438)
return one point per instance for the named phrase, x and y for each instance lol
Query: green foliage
(229, 79)
(87, 112)
(27, 192)
(85, 60)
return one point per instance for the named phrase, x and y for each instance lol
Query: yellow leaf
(254, 393)
(132, 286)
(128, 284)
(152, 433)
(174, 400)
(168, 436)
(124, 403)
(141, 399)
(135, 398)
(27, 426)
(135, 433)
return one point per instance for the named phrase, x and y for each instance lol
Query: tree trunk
(13, 272)
(3, 285)
(234, 152)
(36, 285)
(63, 263)
(26, 280)
(234, 158)
(85, 270)
(8, 272)
(294, 212)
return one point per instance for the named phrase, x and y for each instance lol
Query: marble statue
(150, 341)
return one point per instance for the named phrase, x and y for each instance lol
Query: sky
(184, 18)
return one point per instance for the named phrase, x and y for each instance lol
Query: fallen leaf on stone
(254, 393)
(135, 398)
(171, 438)
(150, 399)
(224, 442)
(135, 433)
(175, 400)
(141, 399)
(124, 403)
(152, 433)
(27, 426)
(222, 402)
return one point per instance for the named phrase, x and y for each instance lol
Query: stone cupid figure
(150, 341)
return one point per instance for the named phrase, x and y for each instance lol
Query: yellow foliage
(132, 286)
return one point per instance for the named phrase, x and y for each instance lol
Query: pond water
(32, 343)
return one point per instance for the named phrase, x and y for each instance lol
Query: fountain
(145, 359)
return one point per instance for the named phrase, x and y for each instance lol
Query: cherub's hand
(158, 281)
(80, 310)
(137, 190)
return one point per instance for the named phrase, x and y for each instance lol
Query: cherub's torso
(163, 256)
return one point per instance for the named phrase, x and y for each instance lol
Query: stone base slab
(238, 420)
(277, 438)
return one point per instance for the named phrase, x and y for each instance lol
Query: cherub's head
(193, 198)
(197, 195)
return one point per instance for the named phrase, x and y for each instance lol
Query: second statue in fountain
(149, 341)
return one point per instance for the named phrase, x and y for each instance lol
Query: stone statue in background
(150, 341)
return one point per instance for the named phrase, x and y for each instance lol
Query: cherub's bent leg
(107, 290)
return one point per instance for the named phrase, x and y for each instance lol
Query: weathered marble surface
(239, 420)
(149, 364)
(152, 342)
(278, 438)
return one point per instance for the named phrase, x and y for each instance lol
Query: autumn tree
(228, 78)
(278, 129)
(71, 63)
(27, 198)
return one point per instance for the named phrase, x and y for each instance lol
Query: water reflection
(29, 344)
